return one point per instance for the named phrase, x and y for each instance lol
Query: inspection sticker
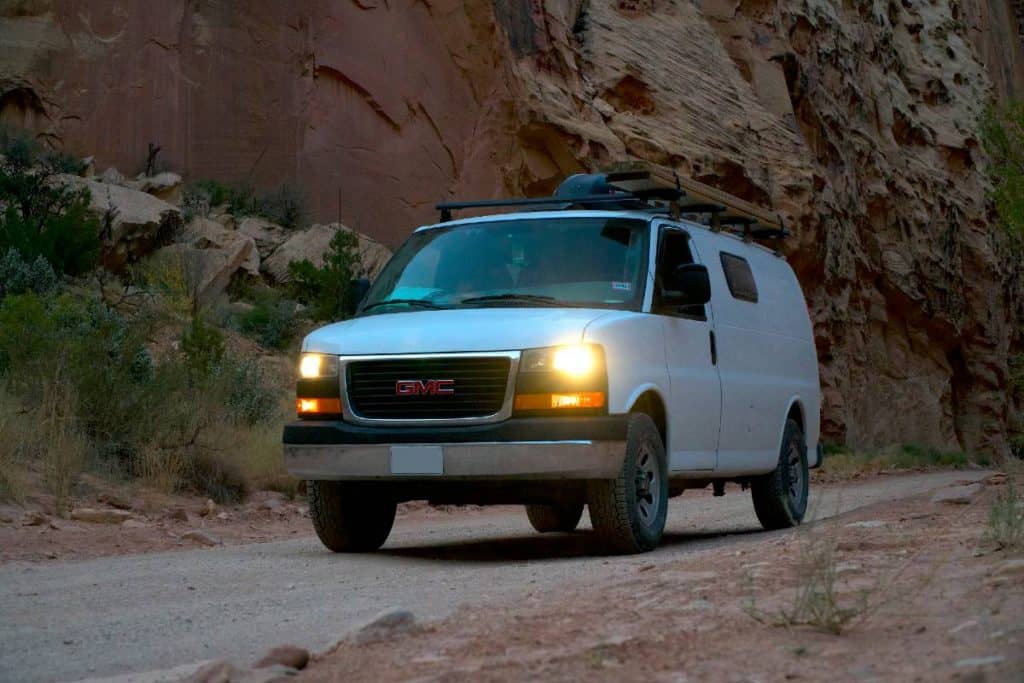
(622, 286)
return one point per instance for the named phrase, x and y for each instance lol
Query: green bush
(43, 217)
(286, 206)
(328, 290)
(18, 276)
(203, 346)
(271, 320)
(1002, 135)
(247, 396)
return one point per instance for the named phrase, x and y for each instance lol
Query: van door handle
(714, 348)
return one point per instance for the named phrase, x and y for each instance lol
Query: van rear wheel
(346, 520)
(780, 497)
(628, 512)
(554, 517)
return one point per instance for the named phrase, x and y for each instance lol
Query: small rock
(221, 671)
(980, 661)
(271, 504)
(60, 525)
(385, 625)
(9, 515)
(114, 500)
(133, 524)
(207, 509)
(290, 656)
(869, 524)
(202, 537)
(34, 518)
(1010, 568)
(138, 505)
(223, 515)
(957, 495)
(179, 514)
(112, 176)
(93, 516)
(967, 624)
(847, 568)
(995, 479)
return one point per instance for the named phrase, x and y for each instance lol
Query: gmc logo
(425, 387)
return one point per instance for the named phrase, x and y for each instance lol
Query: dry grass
(1006, 516)
(11, 477)
(821, 598)
(847, 464)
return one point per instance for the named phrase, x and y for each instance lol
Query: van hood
(453, 330)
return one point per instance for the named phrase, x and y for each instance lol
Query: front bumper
(526, 449)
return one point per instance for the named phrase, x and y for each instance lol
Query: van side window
(739, 277)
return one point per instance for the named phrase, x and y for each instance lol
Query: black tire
(780, 497)
(347, 521)
(629, 511)
(556, 517)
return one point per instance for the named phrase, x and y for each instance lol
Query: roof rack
(647, 187)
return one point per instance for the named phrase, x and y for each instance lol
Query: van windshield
(564, 261)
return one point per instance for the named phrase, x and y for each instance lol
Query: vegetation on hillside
(286, 205)
(1002, 134)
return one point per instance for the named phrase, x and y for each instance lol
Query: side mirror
(691, 286)
(357, 290)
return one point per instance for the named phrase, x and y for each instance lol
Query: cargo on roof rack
(641, 186)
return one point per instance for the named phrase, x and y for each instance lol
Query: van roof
(734, 240)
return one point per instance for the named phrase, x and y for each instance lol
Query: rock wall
(855, 119)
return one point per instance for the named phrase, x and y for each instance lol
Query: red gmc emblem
(425, 387)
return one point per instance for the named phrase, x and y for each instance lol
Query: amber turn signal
(578, 399)
(318, 406)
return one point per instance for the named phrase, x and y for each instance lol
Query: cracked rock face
(855, 120)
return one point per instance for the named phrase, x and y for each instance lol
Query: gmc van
(610, 353)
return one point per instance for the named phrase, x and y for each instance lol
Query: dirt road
(118, 615)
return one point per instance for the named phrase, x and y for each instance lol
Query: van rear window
(740, 277)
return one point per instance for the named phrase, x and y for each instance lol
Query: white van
(611, 357)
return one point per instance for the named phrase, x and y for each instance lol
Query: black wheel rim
(647, 483)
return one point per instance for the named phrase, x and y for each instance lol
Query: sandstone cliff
(855, 119)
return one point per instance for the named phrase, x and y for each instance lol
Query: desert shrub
(247, 395)
(328, 290)
(18, 276)
(203, 346)
(43, 217)
(286, 206)
(271, 320)
(1006, 518)
(219, 477)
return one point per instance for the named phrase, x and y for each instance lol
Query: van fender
(813, 455)
(640, 391)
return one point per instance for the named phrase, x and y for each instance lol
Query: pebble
(134, 524)
(1010, 568)
(869, 524)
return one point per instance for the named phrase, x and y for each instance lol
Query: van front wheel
(780, 497)
(346, 520)
(628, 512)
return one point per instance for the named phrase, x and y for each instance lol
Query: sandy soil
(947, 606)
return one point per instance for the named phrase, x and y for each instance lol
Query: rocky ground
(942, 605)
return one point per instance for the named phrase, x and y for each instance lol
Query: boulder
(268, 236)
(312, 243)
(100, 515)
(138, 222)
(203, 233)
(111, 176)
(167, 186)
(208, 271)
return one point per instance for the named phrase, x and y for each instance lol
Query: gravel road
(129, 614)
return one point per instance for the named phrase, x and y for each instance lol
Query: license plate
(417, 460)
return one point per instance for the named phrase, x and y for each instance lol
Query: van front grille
(427, 388)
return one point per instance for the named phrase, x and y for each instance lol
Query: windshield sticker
(623, 286)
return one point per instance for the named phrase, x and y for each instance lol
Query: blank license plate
(417, 460)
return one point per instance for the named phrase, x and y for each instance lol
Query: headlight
(316, 365)
(555, 379)
(577, 361)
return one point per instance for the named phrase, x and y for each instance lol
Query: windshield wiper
(423, 303)
(513, 297)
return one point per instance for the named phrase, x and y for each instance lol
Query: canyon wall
(855, 119)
